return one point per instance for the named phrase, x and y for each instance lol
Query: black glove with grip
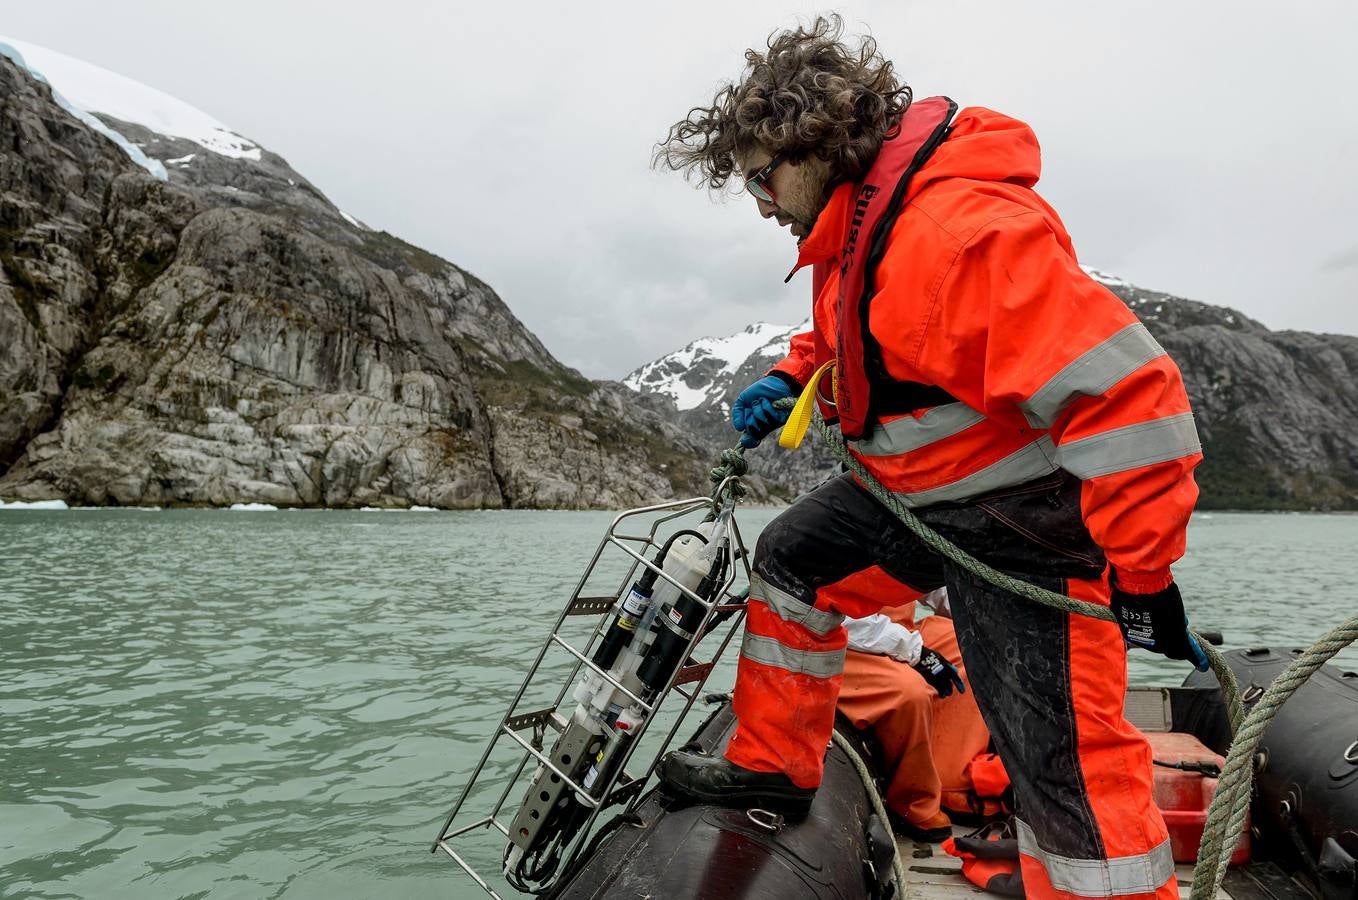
(1157, 622)
(941, 674)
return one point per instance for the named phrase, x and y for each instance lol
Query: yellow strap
(799, 420)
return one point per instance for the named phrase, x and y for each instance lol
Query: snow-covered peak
(700, 371)
(1104, 278)
(91, 89)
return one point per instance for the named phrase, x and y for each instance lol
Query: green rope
(733, 463)
(875, 798)
(1231, 803)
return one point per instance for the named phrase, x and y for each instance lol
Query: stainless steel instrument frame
(688, 680)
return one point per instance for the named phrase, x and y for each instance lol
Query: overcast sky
(1209, 149)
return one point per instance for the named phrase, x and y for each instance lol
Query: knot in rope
(733, 464)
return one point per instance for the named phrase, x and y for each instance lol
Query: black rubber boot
(715, 780)
(907, 829)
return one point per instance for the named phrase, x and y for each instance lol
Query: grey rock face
(707, 374)
(51, 252)
(783, 474)
(230, 336)
(1277, 410)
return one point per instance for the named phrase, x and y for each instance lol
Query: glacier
(9, 50)
(86, 88)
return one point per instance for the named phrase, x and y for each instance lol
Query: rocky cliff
(1277, 410)
(225, 334)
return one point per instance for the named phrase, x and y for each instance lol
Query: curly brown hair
(810, 94)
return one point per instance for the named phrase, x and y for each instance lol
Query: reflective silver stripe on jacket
(791, 609)
(817, 663)
(909, 433)
(1130, 447)
(1024, 464)
(1140, 874)
(1092, 373)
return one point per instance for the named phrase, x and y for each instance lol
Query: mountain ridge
(225, 334)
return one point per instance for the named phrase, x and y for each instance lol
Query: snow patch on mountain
(91, 89)
(10, 50)
(699, 372)
(1104, 278)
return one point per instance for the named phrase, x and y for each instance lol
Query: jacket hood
(984, 146)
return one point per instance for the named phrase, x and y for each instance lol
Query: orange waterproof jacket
(979, 292)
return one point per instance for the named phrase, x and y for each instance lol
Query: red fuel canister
(1184, 797)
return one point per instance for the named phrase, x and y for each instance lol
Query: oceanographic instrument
(678, 586)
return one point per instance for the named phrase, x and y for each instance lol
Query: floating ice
(33, 504)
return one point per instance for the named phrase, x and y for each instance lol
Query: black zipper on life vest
(897, 396)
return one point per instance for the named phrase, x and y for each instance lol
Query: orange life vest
(862, 388)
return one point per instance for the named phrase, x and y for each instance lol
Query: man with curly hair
(989, 383)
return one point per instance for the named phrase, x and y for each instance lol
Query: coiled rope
(1231, 803)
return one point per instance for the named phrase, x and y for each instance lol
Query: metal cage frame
(688, 679)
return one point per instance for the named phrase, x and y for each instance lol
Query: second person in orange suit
(928, 737)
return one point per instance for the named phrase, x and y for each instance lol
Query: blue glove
(941, 674)
(1157, 622)
(753, 413)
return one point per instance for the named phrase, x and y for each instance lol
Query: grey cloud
(1347, 259)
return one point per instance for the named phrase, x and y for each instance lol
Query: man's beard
(808, 223)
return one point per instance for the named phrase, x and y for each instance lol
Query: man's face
(798, 189)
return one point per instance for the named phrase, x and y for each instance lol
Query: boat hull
(1305, 812)
(679, 851)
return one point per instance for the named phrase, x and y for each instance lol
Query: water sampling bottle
(626, 615)
(677, 621)
(685, 557)
(678, 558)
(606, 718)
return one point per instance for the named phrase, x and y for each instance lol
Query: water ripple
(283, 704)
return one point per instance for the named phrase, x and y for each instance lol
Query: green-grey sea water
(270, 704)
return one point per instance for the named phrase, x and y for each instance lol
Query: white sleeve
(938, 602)
(878, 634)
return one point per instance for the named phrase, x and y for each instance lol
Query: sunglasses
(758, 183)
